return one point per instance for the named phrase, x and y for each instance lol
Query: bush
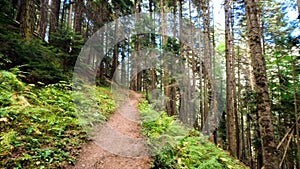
(43, 62)
(173, 146)
(40, 127)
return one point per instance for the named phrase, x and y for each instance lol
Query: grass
(173, 146)
(42, 127)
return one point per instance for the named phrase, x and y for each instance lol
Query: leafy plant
(183, 148)
(41, 127)
(39, 60)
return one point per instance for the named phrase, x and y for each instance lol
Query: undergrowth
(174, 147)
(40, 127)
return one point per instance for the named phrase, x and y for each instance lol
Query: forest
(214, 84)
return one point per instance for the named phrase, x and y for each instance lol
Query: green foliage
(85, 101)
(125, 6)
(7, 8)
(174, 147)
(45, 62)
(7, 140)
(67, 45)
(9, 85)
(40, 127)
(39, 61)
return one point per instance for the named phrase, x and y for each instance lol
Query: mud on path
(118, 144)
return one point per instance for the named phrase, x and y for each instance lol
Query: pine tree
(43, 18)
(54, 17)
(26, 20)
(229, 78)
(78, 19)
(270, 158)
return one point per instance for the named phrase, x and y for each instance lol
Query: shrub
(174, 146)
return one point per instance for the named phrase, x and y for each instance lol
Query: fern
(6, 141)
(173, 146)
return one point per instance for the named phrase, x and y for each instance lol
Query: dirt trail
(118, 144)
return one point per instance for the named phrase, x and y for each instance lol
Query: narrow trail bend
(118, 144)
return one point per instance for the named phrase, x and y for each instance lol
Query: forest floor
(118, 144)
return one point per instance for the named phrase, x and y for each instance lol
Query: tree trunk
(258, 145)
(201, 112)
(43, 19)
(249, 142)
(123, 66)
(248, 90)
(173, 86)
(70, 20)
(134, 59)
(116, 48)
(78, 19)
(297, 140)
(239, 108)
(138, 47)
(26, 23)
(182, 99)
(54, 17)
(165, 64)
(152, 39)
(229, 80)
(236, 115)
(63, 14)
(270, 159)
(206, 64)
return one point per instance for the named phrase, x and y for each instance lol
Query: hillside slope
(174, 146)
(40, 126)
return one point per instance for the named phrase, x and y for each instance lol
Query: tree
(78, 19)
(296, 112)
(229, 78)
(152, 38)
(26, 20)
(270, 158)
(43, 18)
(116, 46)
(54, 16)
(164, 42)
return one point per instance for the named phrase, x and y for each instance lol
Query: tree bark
(229, 80)
(201, 112)
(166, 80)
(54, 17)
(249, 142)
(43, 19)
(116, 47)
(297, 140)
(233, 81)
(78, 19)
(152, 39)
(138, 47)
(270, 159)
(206, 64)
(63, 14)
(70, 20)
(26, 22)
(173, 86)
(239, 109)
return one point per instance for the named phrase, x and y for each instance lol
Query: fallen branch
(286, 148)
(285, 136)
